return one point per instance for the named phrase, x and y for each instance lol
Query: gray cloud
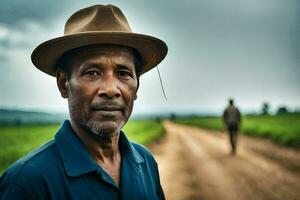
(12, 12)
(3, 58)
(25, 24)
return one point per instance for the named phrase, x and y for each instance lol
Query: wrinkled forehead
(121, 53)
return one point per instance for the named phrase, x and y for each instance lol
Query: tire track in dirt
(195, 164)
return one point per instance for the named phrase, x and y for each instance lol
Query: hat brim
(152, 50)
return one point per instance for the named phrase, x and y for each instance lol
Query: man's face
(102, 88)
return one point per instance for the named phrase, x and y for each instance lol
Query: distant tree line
(17, 117)
(265, 109)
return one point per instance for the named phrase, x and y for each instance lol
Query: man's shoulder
(31, 165)
(26, 177)
(143, 151)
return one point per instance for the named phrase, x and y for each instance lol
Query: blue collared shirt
(63, 169)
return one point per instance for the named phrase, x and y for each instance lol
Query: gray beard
(92, 127)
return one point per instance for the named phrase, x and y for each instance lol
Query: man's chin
(104, 129)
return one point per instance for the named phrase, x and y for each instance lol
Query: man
(232, 120)
(97, 64)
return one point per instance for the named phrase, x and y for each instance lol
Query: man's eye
(91, 73)
(124, 73)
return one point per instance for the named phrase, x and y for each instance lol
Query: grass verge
(16, 141)
(283, 129)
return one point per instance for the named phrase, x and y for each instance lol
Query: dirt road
(195, 164)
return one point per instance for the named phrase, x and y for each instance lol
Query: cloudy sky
(248, 50)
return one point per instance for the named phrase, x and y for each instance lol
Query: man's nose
(108, 87)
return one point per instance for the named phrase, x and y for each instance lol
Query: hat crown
(98, 24)
(107, 18)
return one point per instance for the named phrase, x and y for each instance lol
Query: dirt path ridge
(195, 164)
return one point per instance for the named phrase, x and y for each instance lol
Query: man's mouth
(108, 109)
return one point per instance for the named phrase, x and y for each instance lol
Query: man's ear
(62, 83)
(137, 89)
(135, 96)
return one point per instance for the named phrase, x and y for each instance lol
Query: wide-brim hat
(99, 24)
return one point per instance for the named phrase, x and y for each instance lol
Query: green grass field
(283, 129)
(16, 141)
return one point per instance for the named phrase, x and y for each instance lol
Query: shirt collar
(74, 155)
(76, 158)
(127, 149)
